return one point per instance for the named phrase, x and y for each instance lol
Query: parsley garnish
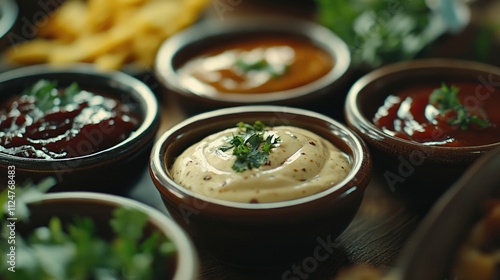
(379, 31)
(260, 65)
(250, 147)
(445, 99)
(23, 193)
(48, 96)
(77, 250)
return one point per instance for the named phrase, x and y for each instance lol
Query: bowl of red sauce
(80, 125)
(245, 61)
(427, 120)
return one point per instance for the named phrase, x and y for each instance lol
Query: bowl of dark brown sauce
(245, 61)
(85, 127)
(426, 121)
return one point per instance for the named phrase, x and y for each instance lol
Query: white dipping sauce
(302, 164)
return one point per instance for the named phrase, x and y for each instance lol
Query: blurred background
(377, 31)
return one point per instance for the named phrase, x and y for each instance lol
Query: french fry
(111, 60)
(109, 33)
(87, 49)
(100, 14)
(33, 52)
(145, 47)
(67, 23)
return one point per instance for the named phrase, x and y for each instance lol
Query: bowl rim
(369, 131)
(319, 35)
(186, 252)
(8, 15)
(435, 229)
(359, 158)
(121, 81)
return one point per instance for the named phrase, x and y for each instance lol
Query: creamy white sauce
(302, 164)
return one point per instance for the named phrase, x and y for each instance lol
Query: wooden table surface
(385, 219)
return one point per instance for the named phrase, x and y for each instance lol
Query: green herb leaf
(77, 251)
(380, 31)
(249, 146)
(24, 192)
(129, 223)
(48, 96)
(445, 99)
(261, 65)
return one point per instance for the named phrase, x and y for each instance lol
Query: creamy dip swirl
(302, 164)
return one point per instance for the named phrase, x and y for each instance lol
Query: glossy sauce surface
(277, 64)
(90, 123)
(302, 164)
(407, 114)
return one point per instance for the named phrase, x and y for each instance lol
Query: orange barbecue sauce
(256, 65)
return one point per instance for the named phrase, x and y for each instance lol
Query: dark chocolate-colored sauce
(90, 123)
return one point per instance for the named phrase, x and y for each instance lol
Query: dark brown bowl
(260, 235)
(181, 47)
(110, 170)
(406, 165)
(99, 208)
(431, 251)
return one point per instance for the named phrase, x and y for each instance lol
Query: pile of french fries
(108, 33)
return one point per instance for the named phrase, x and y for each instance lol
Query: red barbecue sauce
(407, 114)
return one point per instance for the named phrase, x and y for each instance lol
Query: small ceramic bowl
(432, 250)
(409, 165)
(258, 235)
(186, 45)
(110, 170)
(9, 12)
(99, 207)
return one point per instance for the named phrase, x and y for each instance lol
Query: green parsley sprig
(48, 96)
(260, 65)
(76, 250)
(379, 31)
(24, 192)
(250, 147)
(445, 99)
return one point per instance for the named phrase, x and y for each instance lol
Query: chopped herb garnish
(250, 147)
(24, 192)
(260, 65)
(77, 249)
(445, 99)
(48, 96)
(380, 31)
